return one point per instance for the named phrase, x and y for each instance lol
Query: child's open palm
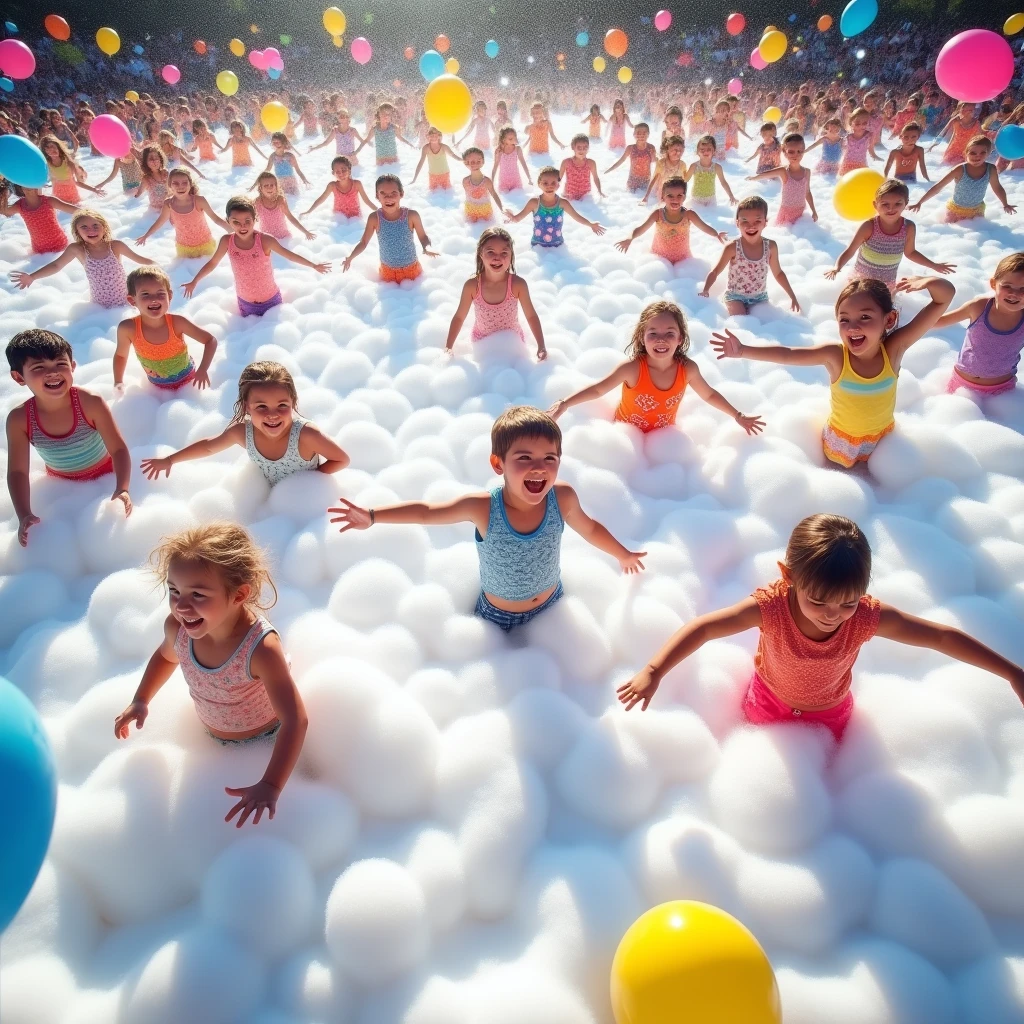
(351, 516)
(631, 563)
(642, 687)
(135, 712)
(259, 798)
(154, 467)
(727, 345)
(751, 424)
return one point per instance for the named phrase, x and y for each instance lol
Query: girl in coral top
(655, 376)
(187, 211)
(813, 622)
(346, 190)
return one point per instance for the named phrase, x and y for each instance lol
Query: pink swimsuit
(492, 317)
(508, 172)
(271, 219)
(346, 203)
(855, 153)
(45, 234)
(107, 281)
(794, 198)
(577, 180)
(192, 232)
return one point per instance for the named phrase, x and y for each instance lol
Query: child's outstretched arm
(497, 160)
(23, 279)
(594, 533)
(521, 290)
(862, 235)
(774, 172)
(206, 268)
(625, 243)
(164, 216)
(185, 328)
(112, 175)
(757, 152)
(293, 160)
(416, 223)
(369, 135)
(684, 642)
(234, 434)
(723, 261)
(470, 508)
(423, 157)
(888, 163)
(780, 275)
(620, 375)
(319, 199)
(829, 355)
(997, 188)
(698, 222)
(513, 218)
(465, 302)
(721, 177)
(18, 456)
(362, 195)
(714, 398)
(968, 311)
(371, 227)
(551, 132)
(271, 244)
(911, 252)
(159, 669)
(258, 150)
(625, 153)
(119, 248)
(941, 292)
(655, 182)
(310, 235)
(953, 175)
(59, 204)
(598, 229)
(188, 163)
(522, 163)
(98, 412)
(494, 195)
(327, 141)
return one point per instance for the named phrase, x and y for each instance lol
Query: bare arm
(18, 453)
(423, 157)
(628, 372)
(205, 206)
(723, 261)
(780, 275)
(470, 508)
(465, 302)
(911, 252)
(637, 232)
(625, 153)
(159, 669)
(721, 177)
(594, 532)
(580, 219)
(207, 267)
(968, 311)
(313, 440)
(521, 290)
(234, 434)
(829, 355)
(774, 172)
(98, 413)
(997, 188)
(162, 218)
(416, 223)
(371, 227)
(531, 205)
(862, 235)
(936, 188)
(271, 244)
(366, 199)
(902, 338)
(698, 222)
(24, 280)
(121, 249)
(319, 199)
(714, 398)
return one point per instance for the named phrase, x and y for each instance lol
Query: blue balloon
(1010, 142)
(11, 27)
(857, 16)
(6, 84)
(28, 797)
(431, 65)
(491, 48)
(138, 50)
(274, 73)
(22, 164)
(582, 39)
(792, 17)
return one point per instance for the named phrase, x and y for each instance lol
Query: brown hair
(148, 274)
(791, 138)
(980, 140)
(635, 348)
(893, 186)
(184, 172)
(147, 151)
(710, 139)
(877, 290)
(262, 372)
(676, 181)
(758, 203)
(393, 179)
(240, 204)
(911, 126)
(547, 170)
(672, 140)
(1012, 264)
(504, 132)
(227, 549)
(471, 151)
(341, 161)
(485, 237)
(265, 176)
(36, 343)
(829, 558)
(89, 215)
(46, 140)
(523, 421)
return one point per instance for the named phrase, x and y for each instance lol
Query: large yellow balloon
(599, 64)
(687, 961)
(448, 103)
(773, 46)
(854, 194)
(237, 47)
(773, 114)
(334, 21)
(274, 116)
(108, 41)
(451, 65)
(227, 82)
(1014, 23)
(132, 95)
(625, 75)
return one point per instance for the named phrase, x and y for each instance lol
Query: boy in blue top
(518, 524)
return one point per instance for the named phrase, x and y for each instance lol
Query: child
(272, 210)
(987, 364)
(769, 152)
(671, 225)
(617, 126)
(539, 131)
(241, 145)
(578, 169)
(480, 125)
(230, 656)
(518, 524)
(65, 175)
(863, 366)
(655, 376)
(130, 170)
(749, 259)
(99, 253)
(548, 212)
(641, 155)
(908, 157)
(813, 622)
(963, 127)
(436, 154)
(158, 337)
(154, 177)
(972, 182)
(395, 226)
(697, 123)
(670, 165)
(344, 137)
(831, 147)
(187, 211)
(249, 252)
(479, 188)
(673, 125)
(501, 120)
(384, 136)
(267, 425)
(203, 140)
(347, 191)
(508, 157)
(283, 164)
(495, 294)
(71, 429)
(908, 115)
(857, 145)
(796, 182)
(174, 154)
(705, 172)
(39, 214)
(593, 121)
(880, 243)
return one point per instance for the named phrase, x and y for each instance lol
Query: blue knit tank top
(397, 248)
(969, 192)
(517, 566)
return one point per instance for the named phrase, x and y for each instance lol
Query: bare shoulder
(91, 403)
(16, 418)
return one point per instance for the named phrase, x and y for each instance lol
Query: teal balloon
(1010, 142)
(6, 84)
(274, 73)
(11, 27)
(28, 797)
(431, 65)
(22, 164)
(491, 48)
(582, 39)
(857, 16)
(138, 49)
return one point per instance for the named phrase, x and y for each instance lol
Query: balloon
(254, 29)
(275, 62)
(110, 136)
(582, 38)
(441, 43)
(170, 74)
(773, 46)
(6, 84)
(274, 116)
(138, 50)
(57, 27)
(339, 41)
(11, 27)
(199, 46)
(857, 15)
(824, 22)
(258, 59)
(615, 42)
(625, 75)
(1013, 24)
(767, 29)
(691, 955)
(448, 103)
(685, 59)
(361, 50)
(108, 41)
(237, 47)
(491, 48)
(16, 59)
(773, 114)
(227, 82)
(855, 193)
(285, 40)
(22, 164)
(451, 66)
(791, 18)
(662, 20)
(1010, 142)
(132, 95)
(973, 66)
(431, 64)
(735, 24)
(410, 52)
(599, 64)
(756, 60)
(735, 87)
(274, 73)
(28, 799)
(334, 21)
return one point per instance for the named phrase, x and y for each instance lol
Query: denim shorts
(747, 300)
(509, 620)
(259, 737)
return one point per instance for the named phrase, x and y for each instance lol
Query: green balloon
(493, 11)
(285, 40)
(368, 18)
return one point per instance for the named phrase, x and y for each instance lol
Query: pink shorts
(762, 707)
(957, 381)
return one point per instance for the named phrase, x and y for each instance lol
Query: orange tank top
(802, 672)
(647, 406)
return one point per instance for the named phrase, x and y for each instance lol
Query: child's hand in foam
(642, 687)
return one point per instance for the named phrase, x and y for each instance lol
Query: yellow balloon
(692, 961)
(767, 29)
(773, 114)
(108, 41)
(334, 21)
(237, 47)
(599, 64)
(339, 41)
(625, 75)
(448, 104)
(773, 46)
(227, 82)
(854, 194)
(132, 95)
(451, 65)
(1014, 23)
(274, 116)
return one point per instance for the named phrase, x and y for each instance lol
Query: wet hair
(829, 558)
(710, 140)
(980, 140)
(386, 179)
(595, 108)
(264, 176)
(282, 138)
(184, 172)
(893, 186)
(240, 204)
(199, 125)
(581, 137)
(547, 170)
(643, 126)
(635, 349)
(237, 124)
(228, 550)
(672, 140)
(673, 111)
(1012, 264)
(792, 138)
(35, 343)
(758, 203)
(504, 132)
(264, 371)
(676, 181)
(858, 112)
(877, 290)
(485, 237)
(521, 421)
(769, 126)
(147, 152)
(341, 161)
(90, 215)
(833, 121)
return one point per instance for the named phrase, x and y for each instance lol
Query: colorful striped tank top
(863, 412)
(79, 454)
(386, 145)
(879, 257)
(167, 363)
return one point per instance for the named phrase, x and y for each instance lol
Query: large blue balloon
(491, 48)
(857, 16)
(28, 796)
(22, 164)
(1010, 142)
(431, 65)
(582, 39)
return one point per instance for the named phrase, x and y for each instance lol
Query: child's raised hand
(630, 562)
(135, 712)
(346, 263)
(727, 345)
(188, 288)
(914, 207)
(624, 245)
(751, 424)
(642, 687)
(23, 527)
(142, 240)
(1009, 209)
(832, 273)
(351, 516)
(598, 229)
(258, 798)
(154, 467)
(912, 284)
(557, 409)
(945, 268)
(123, 497)
(21, 278)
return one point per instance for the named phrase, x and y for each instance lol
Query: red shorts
(762, 707)
(399, 274)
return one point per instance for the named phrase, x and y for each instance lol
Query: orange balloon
(559, 57)
(615, 42)
(57, 27)
(199, 46)
(824, 22)
(441, 43)
(409, 53)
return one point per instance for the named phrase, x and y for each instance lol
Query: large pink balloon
(756, 60)
(110, 136)
(16, 59)
(973, 66)
(361, 50)
(662, 20)
(273, 58)
(258, 59)
(735, 87)
(170, 74)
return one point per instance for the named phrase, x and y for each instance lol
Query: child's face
(509, 142)
(279, 145)
(673, 123)
(198, 598)
(863, 325)
(750, 223)
(268, 188)
(151, 298)
(890, 206)
(641, 135)
(794, 152)
(241, 222)
(497, 254)
(548, 183)
(180, 185)
(977, 155)
(869, 103)
(52, 152)
(767, 136)
(434, 139)
(270, 408)
(1009, 291)
(343, 123)
(968, 112)
(530, 468)
(385, 118)
(910, 139)
(833, 132)
(860, 124)
(825, 615)
(581, 148)
(237, 132)
(673, 197)
(674, 153)
(89, 230)
(474, 162)
(537, 114)
(389, 195)
(153, 162)
(342, 173)
(706, 152)
(47, 378)
(662, 337)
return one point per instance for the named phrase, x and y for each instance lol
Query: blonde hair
(635, 349)
(523, 421)
(148, 273)
(265, 371)
(829, 558)
(65, 153)
(1012, 264)
(90, 215)
(184, 172)
(228, 550)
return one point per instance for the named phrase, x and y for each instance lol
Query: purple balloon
(16, 59)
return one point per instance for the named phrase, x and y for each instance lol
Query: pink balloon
(756, 60)
(110, 136)
(361, 50)
(662, 20)
(170, 74)
(258, 59)
(273, 56)
(16, 59)
(973, 66)
(735, 87)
